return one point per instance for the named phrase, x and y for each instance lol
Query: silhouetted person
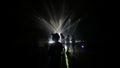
(55, 52)
(62, 38)
(73, 43)
(68, 42)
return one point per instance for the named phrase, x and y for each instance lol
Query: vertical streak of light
(66, 59)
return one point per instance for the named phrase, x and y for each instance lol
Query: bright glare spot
(50, 41)
(70, 41)
(82, 46)
(65, 48)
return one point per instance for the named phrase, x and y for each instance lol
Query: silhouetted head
(55, 37)
(62, 36)
(68, 36)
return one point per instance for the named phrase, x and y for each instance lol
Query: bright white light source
(82, 46)
(70, 41)
(50, 41)
(65, 48)
(61, 22)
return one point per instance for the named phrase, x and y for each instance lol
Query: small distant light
(82, 46)
(70, 41)
(78, 41)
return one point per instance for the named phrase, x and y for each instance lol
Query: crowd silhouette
(56, 49)
(55, 52)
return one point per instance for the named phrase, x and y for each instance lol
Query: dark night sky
(24, 34)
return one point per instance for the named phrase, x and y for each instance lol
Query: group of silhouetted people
(68, 41)
(56, 49)
(55, 52)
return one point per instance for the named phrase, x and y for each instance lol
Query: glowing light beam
(66, 59)
(58, 21)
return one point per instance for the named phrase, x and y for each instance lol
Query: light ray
(58, 21)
